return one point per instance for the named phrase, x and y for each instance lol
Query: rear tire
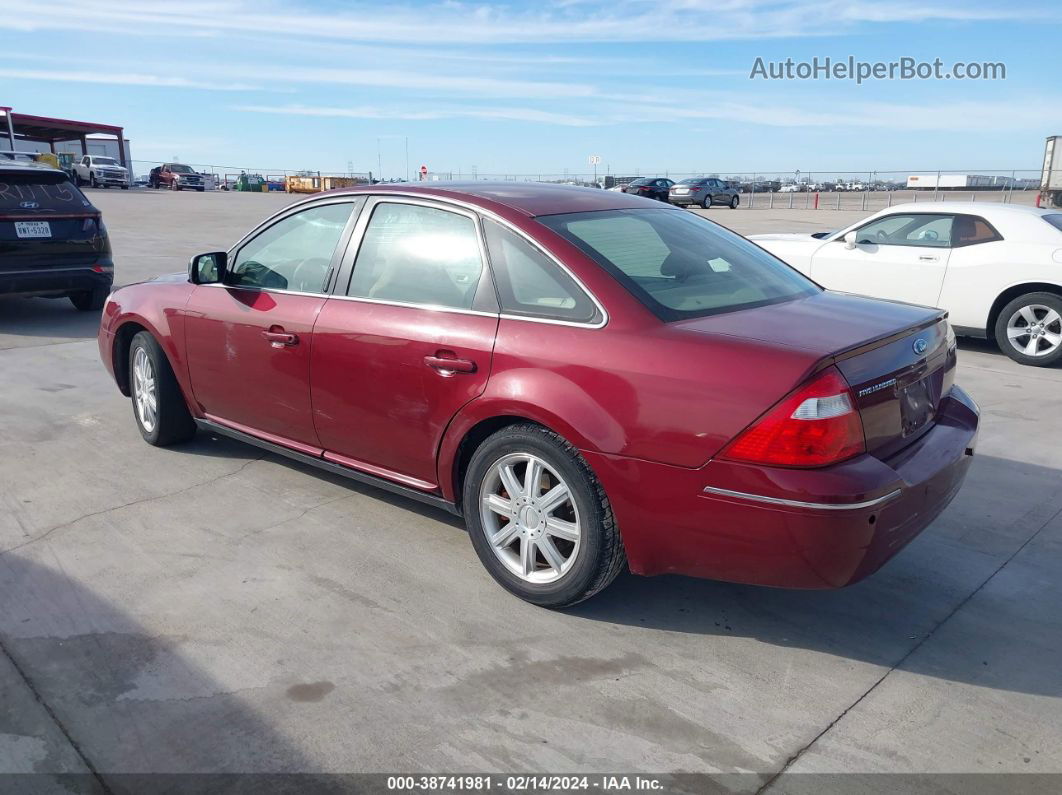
(159, 409)
(558, 551)
(91, 301)
(1029, 329)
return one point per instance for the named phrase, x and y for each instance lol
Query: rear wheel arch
(472, 439)
(1011, 293)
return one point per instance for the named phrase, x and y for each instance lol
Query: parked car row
(702, 191)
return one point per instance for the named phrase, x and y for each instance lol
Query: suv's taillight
(814, 426)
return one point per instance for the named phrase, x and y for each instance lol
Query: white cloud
(121, 79)
(452, 22)
(426, 114)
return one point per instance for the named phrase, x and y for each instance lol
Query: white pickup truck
(99, 171)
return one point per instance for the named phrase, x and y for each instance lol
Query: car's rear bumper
(55, 280)
(785, 527)
(684, 198)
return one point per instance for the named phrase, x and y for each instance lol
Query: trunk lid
(898, 358)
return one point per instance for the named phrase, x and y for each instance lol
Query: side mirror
(208, 268)
(850, 239)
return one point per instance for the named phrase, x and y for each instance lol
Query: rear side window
(412, 254)
(679, 264)
(47, 191)
(529, 283)
(969, 230)
(1055, 219)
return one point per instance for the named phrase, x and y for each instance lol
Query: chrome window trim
(819, 506)
(368, 195)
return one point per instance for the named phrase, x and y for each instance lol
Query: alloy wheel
(530, 518)
(1035, 330)
(145, 390)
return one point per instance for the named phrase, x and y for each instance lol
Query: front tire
(1029, 329)
(734, 202)
(706, 202)
(539, 520)
(159, 409)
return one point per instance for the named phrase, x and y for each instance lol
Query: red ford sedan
(594, 381)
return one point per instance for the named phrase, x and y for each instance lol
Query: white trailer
(957, 182)
(1051, 179)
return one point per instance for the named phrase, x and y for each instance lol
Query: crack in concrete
(1056, 512)
(49, 531)
(55, 719)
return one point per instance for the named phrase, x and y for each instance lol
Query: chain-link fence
(825, 190)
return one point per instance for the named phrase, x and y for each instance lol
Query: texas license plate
(33, 229)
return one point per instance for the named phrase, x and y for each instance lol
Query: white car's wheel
(1029, 329)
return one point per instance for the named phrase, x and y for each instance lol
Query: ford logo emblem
(920, 346)
(29, 205)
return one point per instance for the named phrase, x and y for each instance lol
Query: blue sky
(536, 87)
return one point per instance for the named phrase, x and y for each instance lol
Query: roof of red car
(531, 198)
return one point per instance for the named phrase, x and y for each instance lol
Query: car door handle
(927, 258)
(449, 366)
(280, 339)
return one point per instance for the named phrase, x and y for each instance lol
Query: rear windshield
(642, 181)
(694, 181)
(678, 264)
(1055, 219)
(47, 191)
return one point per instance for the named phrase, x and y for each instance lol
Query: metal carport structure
(42, 129)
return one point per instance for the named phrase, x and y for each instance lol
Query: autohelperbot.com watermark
(851, 68)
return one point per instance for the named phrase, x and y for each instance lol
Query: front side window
(916, 229)
(529, 283)
(295, 253)
(678, 264)
(413, 254)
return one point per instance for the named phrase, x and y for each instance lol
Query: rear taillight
(814, 426)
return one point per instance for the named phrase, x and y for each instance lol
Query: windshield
(1055, 219)
(678, 264)
(105, 161)
(177, 168)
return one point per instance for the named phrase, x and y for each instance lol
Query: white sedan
(996, 268)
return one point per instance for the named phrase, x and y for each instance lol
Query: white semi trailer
(1051, 179)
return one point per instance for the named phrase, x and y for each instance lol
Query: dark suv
(704, 191)
(650, 187)
(52, 240)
